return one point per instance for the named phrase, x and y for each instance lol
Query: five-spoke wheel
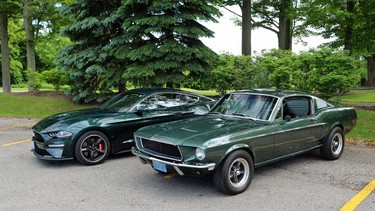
(92, 148)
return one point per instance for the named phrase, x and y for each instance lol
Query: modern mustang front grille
(161, 149)
(38, 137)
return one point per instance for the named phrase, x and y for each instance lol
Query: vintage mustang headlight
(200, 154)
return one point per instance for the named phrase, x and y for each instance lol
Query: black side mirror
(287, 118)
(140, 109)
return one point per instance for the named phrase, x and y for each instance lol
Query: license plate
(159, 166)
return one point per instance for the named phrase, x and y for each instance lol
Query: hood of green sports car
(62, 121)
(75, 121)
(200, 131)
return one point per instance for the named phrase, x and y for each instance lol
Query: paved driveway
(305, 182)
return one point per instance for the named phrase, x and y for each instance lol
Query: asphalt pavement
(305, 182)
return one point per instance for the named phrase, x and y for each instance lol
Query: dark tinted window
(296, 107)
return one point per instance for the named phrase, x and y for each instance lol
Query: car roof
(273, 92)
(149, 91)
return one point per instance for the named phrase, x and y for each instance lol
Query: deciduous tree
(8, 8)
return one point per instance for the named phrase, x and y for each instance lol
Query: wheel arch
(236, 147)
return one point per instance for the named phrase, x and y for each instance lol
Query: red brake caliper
(100, 146)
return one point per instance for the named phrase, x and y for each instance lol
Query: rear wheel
(333, 144)
(234, 175)
(92, 148)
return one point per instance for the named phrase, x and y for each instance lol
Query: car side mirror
(287, 118)
(140, 109)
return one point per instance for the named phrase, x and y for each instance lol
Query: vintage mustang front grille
(38, 137)
(161, 149)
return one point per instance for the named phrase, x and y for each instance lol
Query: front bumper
(51, 151)
(181, 168)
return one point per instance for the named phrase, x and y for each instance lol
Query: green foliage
(283, 68)
(56, 78)
(10, 8)
(16, 51)
(35, 79)
(149, 43)
(93, 69)
(163, 41)
(325, 71)
(332, 72)
(232, 72)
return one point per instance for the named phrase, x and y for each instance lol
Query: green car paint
(55, 137)
(271, 126)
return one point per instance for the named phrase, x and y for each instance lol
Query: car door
(298, 130)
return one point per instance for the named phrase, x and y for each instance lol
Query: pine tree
(93, 70)
(162, 40)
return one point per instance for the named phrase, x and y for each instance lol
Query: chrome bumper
(176, 166)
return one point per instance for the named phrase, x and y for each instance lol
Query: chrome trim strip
(208, 166)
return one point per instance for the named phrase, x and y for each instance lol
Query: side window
(321, 104)
(167, 100)
(188, 99)
(295, 107)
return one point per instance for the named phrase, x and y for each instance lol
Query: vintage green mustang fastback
(245, 129)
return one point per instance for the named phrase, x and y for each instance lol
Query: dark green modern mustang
(245, 129)
(90, 135)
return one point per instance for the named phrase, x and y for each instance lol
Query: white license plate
(159, 166)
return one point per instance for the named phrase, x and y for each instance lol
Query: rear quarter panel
(345, 118)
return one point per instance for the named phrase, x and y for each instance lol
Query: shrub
(56, 78)
(35, 79)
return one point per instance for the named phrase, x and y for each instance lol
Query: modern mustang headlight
(60, 134)
(200, 154)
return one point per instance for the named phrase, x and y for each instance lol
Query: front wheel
(234, 175)
(92, 148)
(333, 144)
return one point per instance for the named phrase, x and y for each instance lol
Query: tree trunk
(121, 87)
(30, 47)
(350, 8)
(371, 70)
(246, 27)
(285, 26)
(5, 64)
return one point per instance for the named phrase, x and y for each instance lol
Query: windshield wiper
(244, 115)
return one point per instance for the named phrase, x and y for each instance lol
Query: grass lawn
(365, 128)
(34, 107)
(363, 96)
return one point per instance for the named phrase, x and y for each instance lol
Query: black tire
(333, 144)
(235, 173)
(92, 148)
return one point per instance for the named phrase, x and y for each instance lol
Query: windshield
(246, 105)
(121, 102)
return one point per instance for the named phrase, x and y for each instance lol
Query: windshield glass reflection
(246, 105)
(122, 102)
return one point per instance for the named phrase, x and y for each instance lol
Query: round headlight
(200, 154)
